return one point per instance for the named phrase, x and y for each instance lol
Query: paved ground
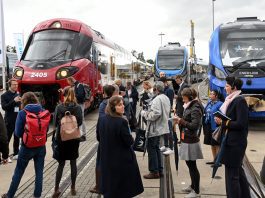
(86, 164)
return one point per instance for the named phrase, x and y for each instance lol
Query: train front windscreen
(57, 45)
(170, 59)
(241, 48)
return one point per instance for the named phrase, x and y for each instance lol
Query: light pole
(213, 12)
(161, 34)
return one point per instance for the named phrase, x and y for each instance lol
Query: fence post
(166, 181)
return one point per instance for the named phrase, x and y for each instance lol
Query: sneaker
(15, 157)
(187, 189)
(168, 151)
(192, 194)
(9, 160)
(163, 149)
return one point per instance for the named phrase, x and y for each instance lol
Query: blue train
(238, 49)
(172, 59)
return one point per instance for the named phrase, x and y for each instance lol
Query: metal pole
(3, 45)
(161, 35)
(166, 181)
(213, 12)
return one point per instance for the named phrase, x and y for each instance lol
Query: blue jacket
(21, 118)
(211, 108)
(102, 107)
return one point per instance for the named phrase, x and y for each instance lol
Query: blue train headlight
(65, 72)
(18, 73)
(219, 74)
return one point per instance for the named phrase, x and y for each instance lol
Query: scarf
(228, 100)
(186, 105)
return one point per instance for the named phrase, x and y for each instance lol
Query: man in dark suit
(179, 102)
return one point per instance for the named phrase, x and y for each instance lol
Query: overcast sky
(134, 24)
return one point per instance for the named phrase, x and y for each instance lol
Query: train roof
(171, 47)
(244, 23)
(74, 25)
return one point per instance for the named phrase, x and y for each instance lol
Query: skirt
(192, 151)
(208, 140)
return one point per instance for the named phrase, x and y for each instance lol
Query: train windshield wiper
(57, 55)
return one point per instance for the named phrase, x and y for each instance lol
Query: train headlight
(63, 73)
(66, 72)
(219, 74)
(56, 24)
(18, 73)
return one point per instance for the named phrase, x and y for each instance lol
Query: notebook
(219, 114)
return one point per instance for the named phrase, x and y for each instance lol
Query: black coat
(68, 150)
(179, 100)
(120, 175)
(3, 138)
(236, 142)
(8, 105)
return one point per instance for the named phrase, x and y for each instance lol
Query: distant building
(11, 59)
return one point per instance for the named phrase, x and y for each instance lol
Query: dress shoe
(73, 192)
(56, 194)
(152, 176)
(95, 190)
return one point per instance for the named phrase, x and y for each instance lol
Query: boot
(95, 189)
(73, 191)
(56, 193)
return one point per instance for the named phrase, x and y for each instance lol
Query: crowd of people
(117, 172)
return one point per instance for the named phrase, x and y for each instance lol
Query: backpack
(36, 128)
(69, 128)
(87, 90)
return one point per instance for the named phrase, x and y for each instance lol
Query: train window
(84, 47)
(51, 45)
(241, 45)
(169, 59)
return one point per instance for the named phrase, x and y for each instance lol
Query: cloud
(134, 24)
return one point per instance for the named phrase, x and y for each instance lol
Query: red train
(59, 48)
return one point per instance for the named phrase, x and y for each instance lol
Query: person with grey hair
(157, 125)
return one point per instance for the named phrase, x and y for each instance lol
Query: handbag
(217, 134)
(140, 139)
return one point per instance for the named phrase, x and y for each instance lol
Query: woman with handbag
(209, 124)
(67, 150)
(190, 148)
(120, 176)
(235, 107)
